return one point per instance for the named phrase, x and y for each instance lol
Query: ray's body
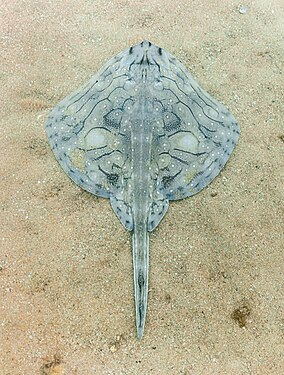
(142, 132)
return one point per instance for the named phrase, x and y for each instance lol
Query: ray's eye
(172, 122)
(167, 180)
(113, 178)
(113, 119)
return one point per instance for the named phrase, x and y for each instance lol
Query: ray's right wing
(88, 135)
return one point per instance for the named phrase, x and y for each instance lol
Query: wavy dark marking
(85, 93)
(191, 111)
(184, 93)
(190, 153)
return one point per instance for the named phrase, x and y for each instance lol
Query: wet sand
(216, 260)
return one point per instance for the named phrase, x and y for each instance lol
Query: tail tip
(140, 331)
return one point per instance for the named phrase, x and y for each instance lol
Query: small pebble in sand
(113, 348)
(243, 9)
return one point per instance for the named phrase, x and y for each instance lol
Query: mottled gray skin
(142, 132)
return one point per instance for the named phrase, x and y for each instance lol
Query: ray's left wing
(199, 134)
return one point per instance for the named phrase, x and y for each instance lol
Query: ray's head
(146, 53)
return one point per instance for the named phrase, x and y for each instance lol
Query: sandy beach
(216, 260)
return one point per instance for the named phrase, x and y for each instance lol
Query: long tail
(140, 245)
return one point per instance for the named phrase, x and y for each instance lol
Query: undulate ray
(142, 132)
